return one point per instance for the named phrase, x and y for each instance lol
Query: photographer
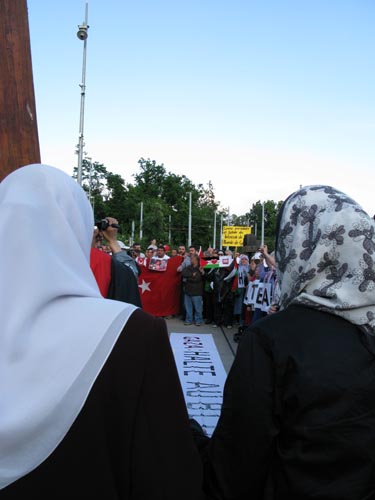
(124, 269)
(109, 227)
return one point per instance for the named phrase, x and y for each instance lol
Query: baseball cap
(122, 245)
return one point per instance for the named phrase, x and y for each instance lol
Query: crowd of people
(91, 403)
(211, 294)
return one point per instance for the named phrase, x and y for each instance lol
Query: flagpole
(141, 223)
(221, 231)
(189, 234)
(214, 242)
(262, 239)
(132, 237)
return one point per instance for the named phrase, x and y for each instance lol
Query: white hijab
(56, 330)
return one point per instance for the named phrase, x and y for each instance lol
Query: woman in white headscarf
(298, 417)
(242, 282)
(90, 401)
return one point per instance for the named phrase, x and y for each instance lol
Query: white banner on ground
(202, 376)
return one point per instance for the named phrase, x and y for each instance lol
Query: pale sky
(258, 97)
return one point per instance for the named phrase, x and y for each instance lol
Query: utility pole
(214, 239)
(189, 234)
(141, 223)
(19, 142)
(82, 35)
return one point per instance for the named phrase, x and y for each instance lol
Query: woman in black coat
(91, 406)
(298, 417)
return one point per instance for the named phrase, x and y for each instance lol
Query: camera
(82, 32)
(103, 224)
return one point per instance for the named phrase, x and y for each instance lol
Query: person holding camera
(124, 271)
(109, 227)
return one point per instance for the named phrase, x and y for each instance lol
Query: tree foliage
(164, 198)
(271, 210)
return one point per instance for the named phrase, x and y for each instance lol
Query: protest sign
(259, 295)
(233, 236)
(157, 264)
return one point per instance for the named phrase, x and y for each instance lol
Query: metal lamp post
(82, 35)
(189, 223)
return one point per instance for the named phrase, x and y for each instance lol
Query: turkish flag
(160, 292)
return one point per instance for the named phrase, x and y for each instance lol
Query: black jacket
(298, 419)
(131, 440)
(193, 281)
(124, 284)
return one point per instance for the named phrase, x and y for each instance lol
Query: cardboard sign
(225, 260)
(157, 264)
(259, 295)
(233, 236)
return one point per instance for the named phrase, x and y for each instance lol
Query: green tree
(94, 182)
(115, 196)
(166, 205)
(165, 197)
(271, 210)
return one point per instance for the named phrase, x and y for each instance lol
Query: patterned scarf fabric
(325, 255)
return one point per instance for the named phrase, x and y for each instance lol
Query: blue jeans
(238, 304)
(193, 304)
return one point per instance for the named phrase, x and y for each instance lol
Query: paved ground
(223, 338)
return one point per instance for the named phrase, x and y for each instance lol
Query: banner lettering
(233, 235)
(202, 376)
(259, 295)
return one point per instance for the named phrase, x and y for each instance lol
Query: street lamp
(82, 35)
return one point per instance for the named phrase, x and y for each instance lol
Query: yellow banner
(233, 235)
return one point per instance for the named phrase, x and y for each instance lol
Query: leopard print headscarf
(325, 255)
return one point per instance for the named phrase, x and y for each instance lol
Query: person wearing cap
(122, 245)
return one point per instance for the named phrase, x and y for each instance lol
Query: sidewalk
(222, 336)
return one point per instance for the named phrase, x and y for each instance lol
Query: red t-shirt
(100, 264)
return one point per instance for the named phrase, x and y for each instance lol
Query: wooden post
(19, 144)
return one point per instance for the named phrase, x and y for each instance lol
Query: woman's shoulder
(140, 331)
(297, 325)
